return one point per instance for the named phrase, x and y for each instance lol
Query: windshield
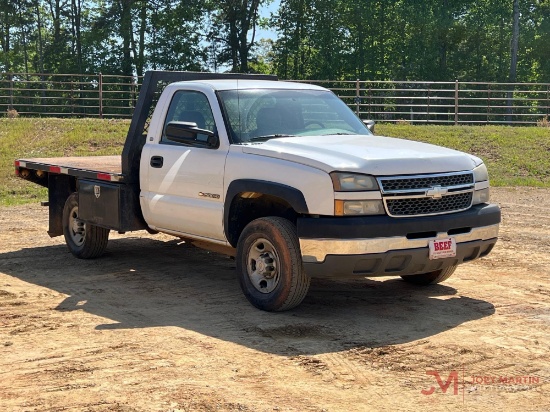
(256, 115)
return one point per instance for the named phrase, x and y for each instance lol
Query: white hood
(375, 155)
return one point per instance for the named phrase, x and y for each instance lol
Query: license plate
(442, 248)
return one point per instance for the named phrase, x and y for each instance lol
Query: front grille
(425, 182)
(419, 206)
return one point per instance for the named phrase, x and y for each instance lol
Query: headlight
(481, 196)
(358, 207)
(480, 173)
(353, 182)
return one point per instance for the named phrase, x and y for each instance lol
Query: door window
(190, 106)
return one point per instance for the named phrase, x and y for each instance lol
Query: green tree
(293, 47)
(174, 40)
(234, 25)
(539, 45)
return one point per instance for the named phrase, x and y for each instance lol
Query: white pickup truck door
(183, 189)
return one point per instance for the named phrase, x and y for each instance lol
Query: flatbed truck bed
(93, 177)
(107, 168)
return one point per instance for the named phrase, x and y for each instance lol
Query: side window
(190, 106)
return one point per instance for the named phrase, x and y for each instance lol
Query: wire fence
(446, 102)
(99, 95)
(66, 95)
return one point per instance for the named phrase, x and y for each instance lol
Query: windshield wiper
(339, 134)
(267, 137)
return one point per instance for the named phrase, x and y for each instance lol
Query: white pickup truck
(283, 176)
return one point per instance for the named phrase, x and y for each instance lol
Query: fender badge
(210, 195)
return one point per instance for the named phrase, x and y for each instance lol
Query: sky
(265, 11)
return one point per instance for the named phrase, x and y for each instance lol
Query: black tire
(269, 265)
(85, 241)
(430, 278)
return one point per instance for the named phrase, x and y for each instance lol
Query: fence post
(357, 97)
(133, 94)
(510, 105)
(369, 101)
(10, 75)
(71, 97)
(100, 95)
(547, 101)
(428, 111)
(488, 102)
(456, 102)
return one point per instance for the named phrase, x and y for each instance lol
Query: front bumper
(384, 246)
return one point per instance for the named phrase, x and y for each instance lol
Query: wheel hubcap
(263, 266)
(77, 228)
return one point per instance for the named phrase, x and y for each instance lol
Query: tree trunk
(24, 41)
(55, 10)
(126, 34)
(513, 60)
(515, 44)
(360, 70)
(249, 16)
(40, 43)
(77, 14)
(446, 22)
(142, 28)
(234, 45)
(238, 18)
(6, 37)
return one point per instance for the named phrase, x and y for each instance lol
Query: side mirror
(190, 134)
(370, 125)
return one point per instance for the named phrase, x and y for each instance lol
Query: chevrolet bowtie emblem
(436, 192)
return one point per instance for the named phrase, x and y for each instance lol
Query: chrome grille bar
(427, 195)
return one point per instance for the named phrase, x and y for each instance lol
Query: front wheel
(269, 265)
(430, 278)
(84, 240)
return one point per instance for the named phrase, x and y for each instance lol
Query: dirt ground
(157, 325)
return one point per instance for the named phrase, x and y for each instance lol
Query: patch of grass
(47, 137)
(515, 156)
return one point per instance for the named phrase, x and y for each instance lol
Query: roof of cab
(234, 84)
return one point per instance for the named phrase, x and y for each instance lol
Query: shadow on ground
(143, 282)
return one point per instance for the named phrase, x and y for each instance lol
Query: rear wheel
(430, 278)
(269, 265)
(84, 240)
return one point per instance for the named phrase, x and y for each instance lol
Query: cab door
(183, 188)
